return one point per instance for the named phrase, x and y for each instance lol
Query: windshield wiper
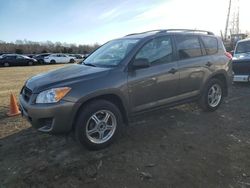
(89, 64)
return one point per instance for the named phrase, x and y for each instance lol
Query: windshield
(111, 53)
(243, 47)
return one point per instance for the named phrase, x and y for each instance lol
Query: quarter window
(188, 46)
(158, 50)
(211, 44)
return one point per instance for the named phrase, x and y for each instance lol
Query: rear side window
(211, 45)
(10, 57)
(188, 46)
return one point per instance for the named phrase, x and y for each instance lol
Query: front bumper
(241, 78)
(53, 118)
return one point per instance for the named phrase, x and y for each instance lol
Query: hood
(241, 56)
(69, 74)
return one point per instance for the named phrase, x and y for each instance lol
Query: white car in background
(59, 58)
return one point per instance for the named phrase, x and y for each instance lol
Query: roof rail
(174, 30)
(150, 31)
(189, 30)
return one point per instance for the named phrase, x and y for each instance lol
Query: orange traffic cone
(14, 110)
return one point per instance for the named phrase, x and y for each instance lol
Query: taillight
(228, 55)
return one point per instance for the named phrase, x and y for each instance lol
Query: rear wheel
(6, 64)
(212, 95)
(53, 61)
(72, 61)
(98, 124)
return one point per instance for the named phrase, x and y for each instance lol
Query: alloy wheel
(101, 126)
(214, 95)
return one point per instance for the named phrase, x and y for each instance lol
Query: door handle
(172, 71)
(209, 64)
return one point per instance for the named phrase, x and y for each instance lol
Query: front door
(155, 85)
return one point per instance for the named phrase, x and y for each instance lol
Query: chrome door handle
(172, 71)
(209, 64)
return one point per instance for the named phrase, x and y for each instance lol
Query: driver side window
(157, 51)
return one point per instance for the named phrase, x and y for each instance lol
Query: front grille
(241, 67)
(26, 93)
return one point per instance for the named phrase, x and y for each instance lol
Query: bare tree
(31, 47)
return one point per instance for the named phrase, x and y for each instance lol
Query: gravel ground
(177, 147)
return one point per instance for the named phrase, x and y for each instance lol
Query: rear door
(20, 60)
(64, 58)
(156, 85)
(193, 64)
(215, 55)
(59, 58)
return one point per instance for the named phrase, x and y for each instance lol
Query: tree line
(30, 47)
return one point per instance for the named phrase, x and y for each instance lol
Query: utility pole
(235, 27)
(237, 30)
(228, 15)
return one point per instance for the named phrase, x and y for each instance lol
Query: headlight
(52, 95)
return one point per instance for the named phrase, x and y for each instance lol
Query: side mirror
(141, 63)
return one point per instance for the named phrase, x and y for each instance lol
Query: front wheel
(212, 95)
(30, 63)
(40, 61)
(98, 124)
(6, 64)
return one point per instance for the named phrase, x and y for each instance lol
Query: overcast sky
(87, 22)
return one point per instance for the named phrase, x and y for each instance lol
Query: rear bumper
(46, 61)
(53, 118)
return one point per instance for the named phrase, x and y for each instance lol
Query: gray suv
(127, 76)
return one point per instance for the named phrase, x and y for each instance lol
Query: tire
(92, 119)
(53, 62)
(212, 95)
(30, 63)
(40, 61)
(6, 64)
(72, 61)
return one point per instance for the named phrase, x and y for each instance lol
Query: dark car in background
(29, 55)
(40, 57)
(15, 60)
(77, 56)
(2, 54)
(125, 77)
(241, 61)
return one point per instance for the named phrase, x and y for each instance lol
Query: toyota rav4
(127, 76)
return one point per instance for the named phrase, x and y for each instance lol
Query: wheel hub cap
(101, 126)
(214, 95)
